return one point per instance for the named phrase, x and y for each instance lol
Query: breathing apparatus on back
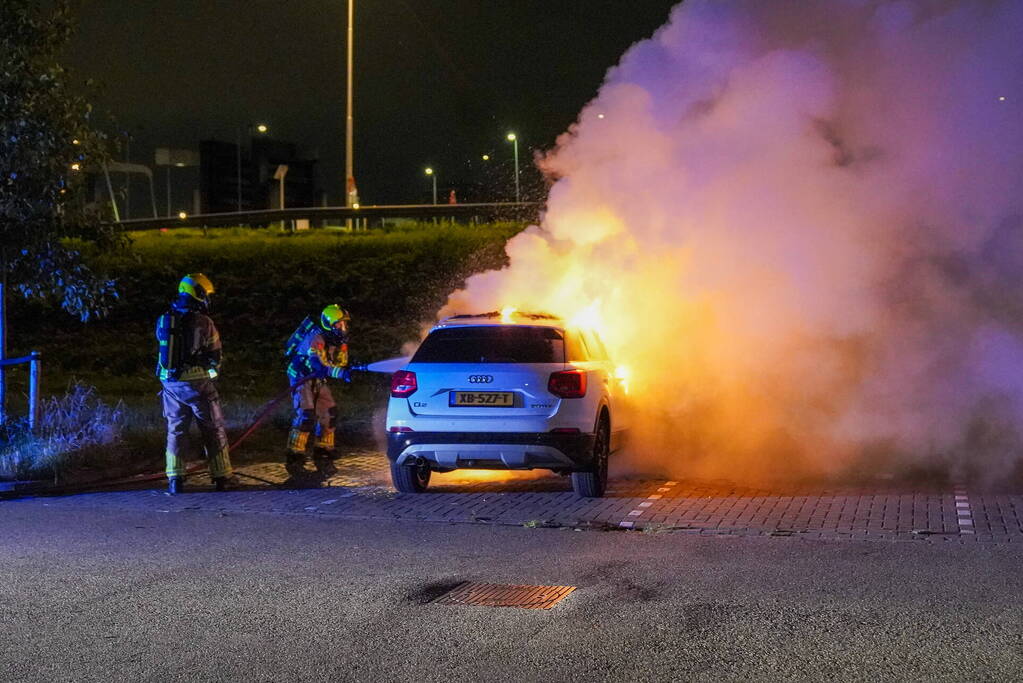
(194, 292)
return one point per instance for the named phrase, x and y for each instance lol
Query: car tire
(410, 479)
(592, 483)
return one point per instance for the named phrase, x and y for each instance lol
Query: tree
(47, 142)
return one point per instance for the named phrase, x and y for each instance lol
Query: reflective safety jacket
(189, 346)
(310, 351)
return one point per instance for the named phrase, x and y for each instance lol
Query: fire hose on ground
(268, 409)
(261, 417)
(384, 366)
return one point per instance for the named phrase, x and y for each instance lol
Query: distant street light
(486, 157)
(515, 141)
(261, 128)
(429, 172)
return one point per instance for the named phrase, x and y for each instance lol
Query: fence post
(34, 376)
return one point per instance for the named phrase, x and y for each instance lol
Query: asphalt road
(99, 594)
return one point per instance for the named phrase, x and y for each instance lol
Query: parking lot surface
(361, 490)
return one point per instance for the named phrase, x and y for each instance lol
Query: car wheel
(593, 482)
(410, 479)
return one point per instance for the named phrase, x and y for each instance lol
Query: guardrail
(35, 369)
(485, 212)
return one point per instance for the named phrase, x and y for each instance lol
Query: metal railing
(521, 211)
(35, 369)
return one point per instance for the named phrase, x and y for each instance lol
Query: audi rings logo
(481, 379)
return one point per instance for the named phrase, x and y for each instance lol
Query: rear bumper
(492, 450)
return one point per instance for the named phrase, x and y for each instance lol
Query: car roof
(497, 319)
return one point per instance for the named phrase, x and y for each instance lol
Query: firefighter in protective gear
(317, 349)
(188, 363)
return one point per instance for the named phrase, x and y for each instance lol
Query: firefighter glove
(343, 374)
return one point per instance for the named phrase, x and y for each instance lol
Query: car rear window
(595, 346)
(492, 344)
(574, 347)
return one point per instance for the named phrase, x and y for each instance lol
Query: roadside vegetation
(77, 428)
(391, 280)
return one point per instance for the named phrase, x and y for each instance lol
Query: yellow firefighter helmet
(198, 287)
(334, 318)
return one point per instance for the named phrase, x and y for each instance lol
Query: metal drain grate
(504, 595)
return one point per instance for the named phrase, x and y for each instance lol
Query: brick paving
(361, 490)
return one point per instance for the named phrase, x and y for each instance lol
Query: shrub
(72, 428)
(267, 282)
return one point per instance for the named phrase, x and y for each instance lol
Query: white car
(494, 391)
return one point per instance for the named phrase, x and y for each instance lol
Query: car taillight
(567, 384)
(403, 384)
(400, 430)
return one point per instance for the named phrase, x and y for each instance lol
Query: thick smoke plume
(799, 223)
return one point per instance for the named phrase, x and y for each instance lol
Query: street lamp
(261, 128)
(429, 172)
(351, 192)
(515, 141)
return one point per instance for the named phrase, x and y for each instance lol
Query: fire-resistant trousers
(314, 409)
(199, 401)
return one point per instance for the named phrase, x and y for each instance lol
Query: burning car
(509, 390)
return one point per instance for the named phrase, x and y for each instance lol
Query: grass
(391, 279)
(75, 428)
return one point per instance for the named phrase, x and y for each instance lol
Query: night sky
(437, 83)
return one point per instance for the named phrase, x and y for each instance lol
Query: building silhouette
(260, 157)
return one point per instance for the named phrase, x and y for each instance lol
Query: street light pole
(238, 166)
(515, 142)
(429, 172)
(127, 175)
(351, 193)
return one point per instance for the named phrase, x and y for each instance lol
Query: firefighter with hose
(188, 364)
(316, 352)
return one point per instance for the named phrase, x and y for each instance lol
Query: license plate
(482, 399)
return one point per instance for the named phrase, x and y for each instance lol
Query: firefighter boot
(295, 465)
(324, 461)
(323, 451)
(226, 483)
(175, 485)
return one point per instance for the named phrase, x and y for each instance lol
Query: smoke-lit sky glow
(800, 225)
